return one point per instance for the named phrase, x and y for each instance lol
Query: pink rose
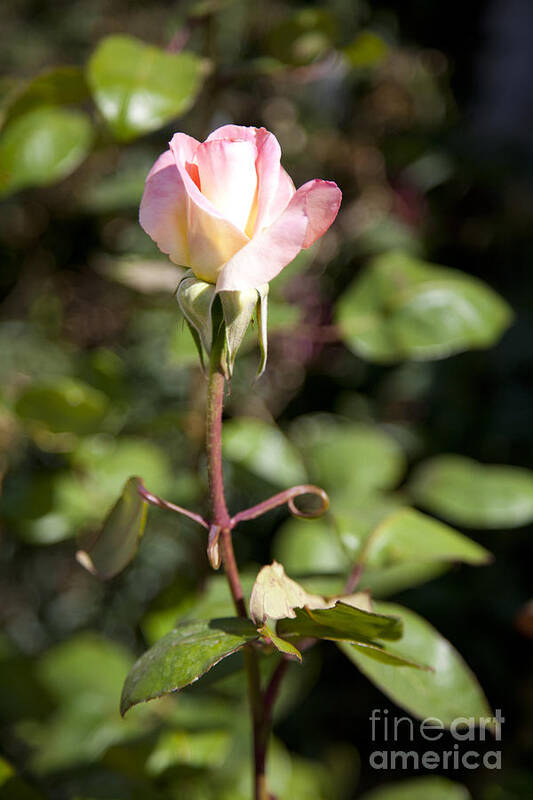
(227, 209)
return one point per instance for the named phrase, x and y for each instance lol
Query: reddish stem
(280, 499)
(154, 500)
(220, 520)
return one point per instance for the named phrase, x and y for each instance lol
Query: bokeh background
(422, 113)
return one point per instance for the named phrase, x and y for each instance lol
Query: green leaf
(183, 656)
(408, 535)
(343, 621)
(263, 450)
(100, 467)
(307, 547)
(386, 581)
(194, 748)
(282, 645)
(84, 675)
(117, 541)
(348, 456)
(431, 788)
(403, 308)
(63, 406)
(366, 51)
(138, 87)
(473, 494)
(449, 692)
(59, 86)
(302, 37)
(42, 146)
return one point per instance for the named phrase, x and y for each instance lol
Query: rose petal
(212, 239)
(163, 211)
(323, 203)
(228, 178)
(272, 179)
(308, 215)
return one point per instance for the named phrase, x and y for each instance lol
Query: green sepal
(237, 309)
(262, 324)
(195, 299)
(218, 321)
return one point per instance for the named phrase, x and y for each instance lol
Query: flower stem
(220, 518)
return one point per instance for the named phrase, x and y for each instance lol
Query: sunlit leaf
(404, 308)
(183, 656)
(117, 541)
(348, 456)
(310, 547)
(473, 494)
(263, 450)
(138, 87)
(275, 595)
(408, 535)
(449, 692)
(42, 146)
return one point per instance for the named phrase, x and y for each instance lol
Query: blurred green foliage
(99, 381)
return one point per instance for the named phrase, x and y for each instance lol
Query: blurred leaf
(117, 541)
(308, 547)
(85, 675)
(402, 308)
(356, 517)
(64, 406)
(386, 581)
(367, 50)
(24, 352)
(138, 87)
(449, 692)
(12, 787)
(183, 656)
(303, 37)
(101, 466)
(473, 494)
(145, 276)
(121, 188)
(431, 788)
(408, 535)
(42, 146)
(59, 86)
(263, 450)
(193, 748)
(348, 456)
(214, 599)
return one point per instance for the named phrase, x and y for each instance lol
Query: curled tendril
(317, 492)
(154, 500)
(288, 496)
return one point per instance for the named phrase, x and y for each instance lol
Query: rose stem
(221, 518)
